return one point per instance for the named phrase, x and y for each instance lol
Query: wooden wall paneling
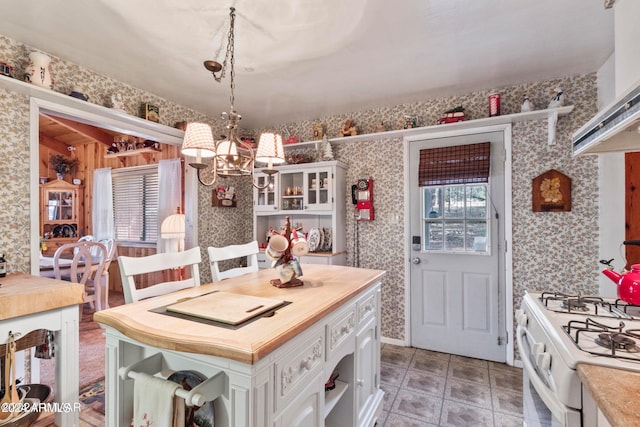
(632, 206)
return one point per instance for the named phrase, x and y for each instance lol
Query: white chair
(133, 266)
(216, 255)
(84, 267)
(104, 280)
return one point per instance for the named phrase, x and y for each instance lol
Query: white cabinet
(305, 410)
(313, 196)
(265, 200)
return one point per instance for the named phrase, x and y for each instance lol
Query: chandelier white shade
(198, 141)
(270, 148)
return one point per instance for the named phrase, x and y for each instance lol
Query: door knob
(416, 260)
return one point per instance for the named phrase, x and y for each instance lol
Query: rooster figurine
(558, 99)
(527, 105)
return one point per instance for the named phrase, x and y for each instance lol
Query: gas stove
(590, 329)
(555, 333)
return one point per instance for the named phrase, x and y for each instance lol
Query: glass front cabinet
(61, 214)
(313, 196)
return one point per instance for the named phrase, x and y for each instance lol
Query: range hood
(614, 128)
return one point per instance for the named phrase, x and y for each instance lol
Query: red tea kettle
(628, 284)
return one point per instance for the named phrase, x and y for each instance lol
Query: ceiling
(305, 59)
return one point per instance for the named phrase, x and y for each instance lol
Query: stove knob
(521, 317)
(544, 361)
(537, 348)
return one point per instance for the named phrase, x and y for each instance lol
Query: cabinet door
(306, 410)
(318, 185)
(292, 189)
(367, 356)
(60, 205)
(267, 198)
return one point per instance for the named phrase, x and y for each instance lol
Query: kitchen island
(268, 371)
(30, 303)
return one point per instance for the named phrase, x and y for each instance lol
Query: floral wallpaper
(547, 248)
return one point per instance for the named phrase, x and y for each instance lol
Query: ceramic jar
(38, 71)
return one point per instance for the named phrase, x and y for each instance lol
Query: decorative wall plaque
(551, 192)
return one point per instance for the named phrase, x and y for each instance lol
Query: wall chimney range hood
(614, 128)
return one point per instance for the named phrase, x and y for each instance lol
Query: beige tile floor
(426, 388)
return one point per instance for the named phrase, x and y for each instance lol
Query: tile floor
(426, 388)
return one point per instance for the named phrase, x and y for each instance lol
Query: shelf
(108, 118)
(332, 397)
(144, 152)
(551, 114)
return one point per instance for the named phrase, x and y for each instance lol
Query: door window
(456, 218)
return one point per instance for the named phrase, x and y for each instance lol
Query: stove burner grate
(615, 341)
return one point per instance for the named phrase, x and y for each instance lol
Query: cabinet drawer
(295, 369)
(340, 329)
(366, 308)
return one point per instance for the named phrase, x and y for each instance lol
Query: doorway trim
(106, 118)
(436, 133)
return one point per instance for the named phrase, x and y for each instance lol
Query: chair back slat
(216, 255)
(134, 266)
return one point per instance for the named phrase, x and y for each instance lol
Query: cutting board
(225, 307)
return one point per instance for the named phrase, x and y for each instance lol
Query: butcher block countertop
(615, 391)
(325, 288)
(23, 294)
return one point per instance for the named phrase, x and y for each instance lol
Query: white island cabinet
(268, 372)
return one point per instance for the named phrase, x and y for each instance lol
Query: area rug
(93, 396)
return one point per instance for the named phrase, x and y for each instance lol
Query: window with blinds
(135, 203)
(455, 198)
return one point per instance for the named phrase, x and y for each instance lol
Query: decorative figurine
(349, 128)
(279, 250)
(327, 153)
(558, 99)
(527, 105)
(318, 132)
(380, 128)
(117, 103)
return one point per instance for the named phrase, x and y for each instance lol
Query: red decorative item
(494, 104)
(628, 284)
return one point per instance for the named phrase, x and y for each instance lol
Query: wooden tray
(225, 307)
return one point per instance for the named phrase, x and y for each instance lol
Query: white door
(457, 265)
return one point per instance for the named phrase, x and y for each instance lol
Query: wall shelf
(109, 118)
(144, 152)
(550, 114)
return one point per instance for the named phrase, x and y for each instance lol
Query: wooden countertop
(616, 392)
(23, 294)
(325, 288)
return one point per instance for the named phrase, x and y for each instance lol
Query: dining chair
(82, 267)
(134, 266)
(104, 280)
(217, 255)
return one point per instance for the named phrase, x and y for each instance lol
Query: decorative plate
(313, 238)
(200, 416)
(321, 240)
(326, 243)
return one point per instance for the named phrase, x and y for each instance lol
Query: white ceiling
(304, 59)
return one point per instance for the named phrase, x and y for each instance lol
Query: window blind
(458, 164)
(135, 203)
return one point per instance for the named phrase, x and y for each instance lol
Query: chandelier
(230, 156)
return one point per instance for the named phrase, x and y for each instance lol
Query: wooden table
(31, 302)
(273, 368)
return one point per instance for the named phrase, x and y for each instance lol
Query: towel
(155, 403)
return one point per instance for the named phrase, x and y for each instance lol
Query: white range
(555, 332)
